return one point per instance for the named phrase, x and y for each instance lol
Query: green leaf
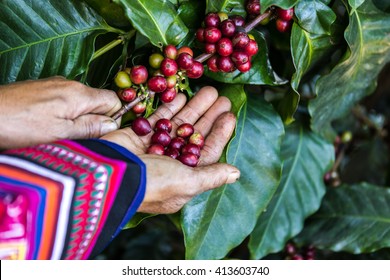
(137, 219)
(234, 7)
(306, 158)
(45, 38)
(288, 105)
(285, 4)
(353, 218)
(355, 76)
(315, 16)
(155, 19)
(192, 13)
(111, 12)
(217, 221)
(261, 72)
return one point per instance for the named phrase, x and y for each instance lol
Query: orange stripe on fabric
(51, 210)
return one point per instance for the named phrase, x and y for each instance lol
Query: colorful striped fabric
(66, 200)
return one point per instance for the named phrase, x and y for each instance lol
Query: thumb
(215, 175)
(91, 126)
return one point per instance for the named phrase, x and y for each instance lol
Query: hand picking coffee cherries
(185, 147)
(231, 46)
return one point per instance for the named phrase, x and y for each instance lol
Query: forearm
(79, 195)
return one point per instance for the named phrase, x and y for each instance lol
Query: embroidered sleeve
(66, 200)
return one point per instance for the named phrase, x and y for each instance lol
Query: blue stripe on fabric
(40, 212)
(139, 197)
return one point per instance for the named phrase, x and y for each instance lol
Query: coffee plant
(309, 84)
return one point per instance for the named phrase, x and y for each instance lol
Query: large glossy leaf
(155, 19)
(45, 38)
(111, 12)
(306, 158)
(315, 16)
(261, 72)
(353, 218)
(285, 4)
(235, 7)
(217, 221)
(354, 77)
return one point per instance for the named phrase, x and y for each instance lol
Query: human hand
(170, 184)
(46, 110)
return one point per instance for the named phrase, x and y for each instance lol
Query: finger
(215, 175)
(90, 126)
(168, 110)
(196, 107)
(206, 122)
(216, 141)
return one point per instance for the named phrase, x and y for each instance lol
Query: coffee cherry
(173, 153)
(185, 130)
(141, 126)
(161, 137)
(197, 139)
(168, 95)
(155, 60)
(191, 149)
(128, 94)
(139, 74)
(156, 149)
(200, 35)
(290, 249)
(212, 20)
(228, 28)
(171, 81)
(212, 35)
(240, 40)
(225, 64)
(157, 84)
(239, 57)
(196, 71)
(185, 61)
(224, 47)
(177, 143)
(212, 63)
(163, 124)
(253, 8)
(122, 80)
(283, 26)
(189, 159)
(252, 48)
(139, 108)
(185, 49)
(238, 20)
(346, 137)
(223, 16)
(169, 67)
(285, 15)
(297, 257)
(244, 67)
(170, 51)
(210, 48)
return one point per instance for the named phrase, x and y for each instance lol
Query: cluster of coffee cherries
(283, 17)
(166, 72)
(185, 147)
(299, 254)
(226, 39)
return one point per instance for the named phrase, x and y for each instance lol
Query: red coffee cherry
(156, 149)
(168, 67)
(163, 124)
(285, 15)
(224, 47)
(161, 137)
(210, 48)
(168, 95)
(185, 49)
(196, 71)
(128, 94)
(239, 57)
(157, 84)
(240, 40)
(212, 20)
(170, 51)
(177, 143)
(244, 67)
(141, 126)
(197, 139)
(228, 28)
(185, 130)
(253, 8)
(189, 159)
(212, 35)
(173, 153)
(212, 63)
(139, 108)
(238, 20)
(225, 64)
(283, 26)
(191, 149)
(252, 48)
(185, 61)
(139, 74)
(200, 35)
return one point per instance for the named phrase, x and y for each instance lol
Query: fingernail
(233, 177)
(108, 126)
